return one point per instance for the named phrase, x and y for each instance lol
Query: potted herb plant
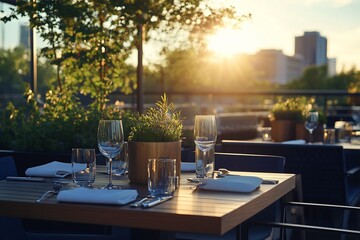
(155, 134)
(286, 114)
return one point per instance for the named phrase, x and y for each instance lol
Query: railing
(326, 99)
(336, 104)
(244, 101)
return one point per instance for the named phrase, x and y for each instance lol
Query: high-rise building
(274, 66)
(331, 64)
(24, 36)
(313, 47)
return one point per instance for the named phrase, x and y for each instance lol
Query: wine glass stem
(110, 174)
(205, 161)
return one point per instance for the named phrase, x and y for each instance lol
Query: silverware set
(56, 189)
(149, 201)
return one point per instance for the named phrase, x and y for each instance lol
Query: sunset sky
(275, 23)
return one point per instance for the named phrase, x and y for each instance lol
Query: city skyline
(275, 24)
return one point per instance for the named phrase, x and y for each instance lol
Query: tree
(89, 41)
(14, 68)
(14, 72)
(314, 77)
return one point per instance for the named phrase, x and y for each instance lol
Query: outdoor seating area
(238, 188)
(179, 120)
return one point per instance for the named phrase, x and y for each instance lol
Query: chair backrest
(7, 167)
(249, 162)
(322, 167)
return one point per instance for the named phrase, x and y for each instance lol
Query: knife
(138, 203)
(28, 179)
(37, 179)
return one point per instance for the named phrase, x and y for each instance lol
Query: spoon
(56, 188)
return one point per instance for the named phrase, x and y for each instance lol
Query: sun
(228, 41)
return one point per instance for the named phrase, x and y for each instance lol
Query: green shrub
(60, 124)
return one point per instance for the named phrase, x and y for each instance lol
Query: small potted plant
(155, 134)
(286, 114)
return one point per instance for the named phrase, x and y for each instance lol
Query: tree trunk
(140, 69)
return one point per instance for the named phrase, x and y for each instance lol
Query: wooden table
(190, 210)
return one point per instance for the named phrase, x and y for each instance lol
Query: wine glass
(110, 138)
(205, 133)
(311, 122)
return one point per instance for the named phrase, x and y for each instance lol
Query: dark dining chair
(12, 228)
(318, 231)
(323, 173)
(248, 163)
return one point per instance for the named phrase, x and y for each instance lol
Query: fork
(56, 189)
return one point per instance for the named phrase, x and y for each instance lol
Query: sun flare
(227, 42)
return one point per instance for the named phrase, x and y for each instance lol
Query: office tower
(331, 66)
(274, 66)
(24, 36)
(313, 47)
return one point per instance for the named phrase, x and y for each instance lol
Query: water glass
(343, 132)
(83, 163)
(162, 178)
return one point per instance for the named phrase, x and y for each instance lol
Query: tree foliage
(89, 42)
(14, 68)
(200, 70)
(316, 77)
(14, 72)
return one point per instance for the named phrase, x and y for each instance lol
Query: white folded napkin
(53, 169)
(241, 184)
(187, 167)
(298, 141)
(100, 196)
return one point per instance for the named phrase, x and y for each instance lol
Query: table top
(213, 212)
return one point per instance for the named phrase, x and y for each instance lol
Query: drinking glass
(311, 122)
(110, 138)
(162, 177)
(205, 133)
(83, 164)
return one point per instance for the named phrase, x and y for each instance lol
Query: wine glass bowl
(205, 132)
(110, 138)
(311, 122)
